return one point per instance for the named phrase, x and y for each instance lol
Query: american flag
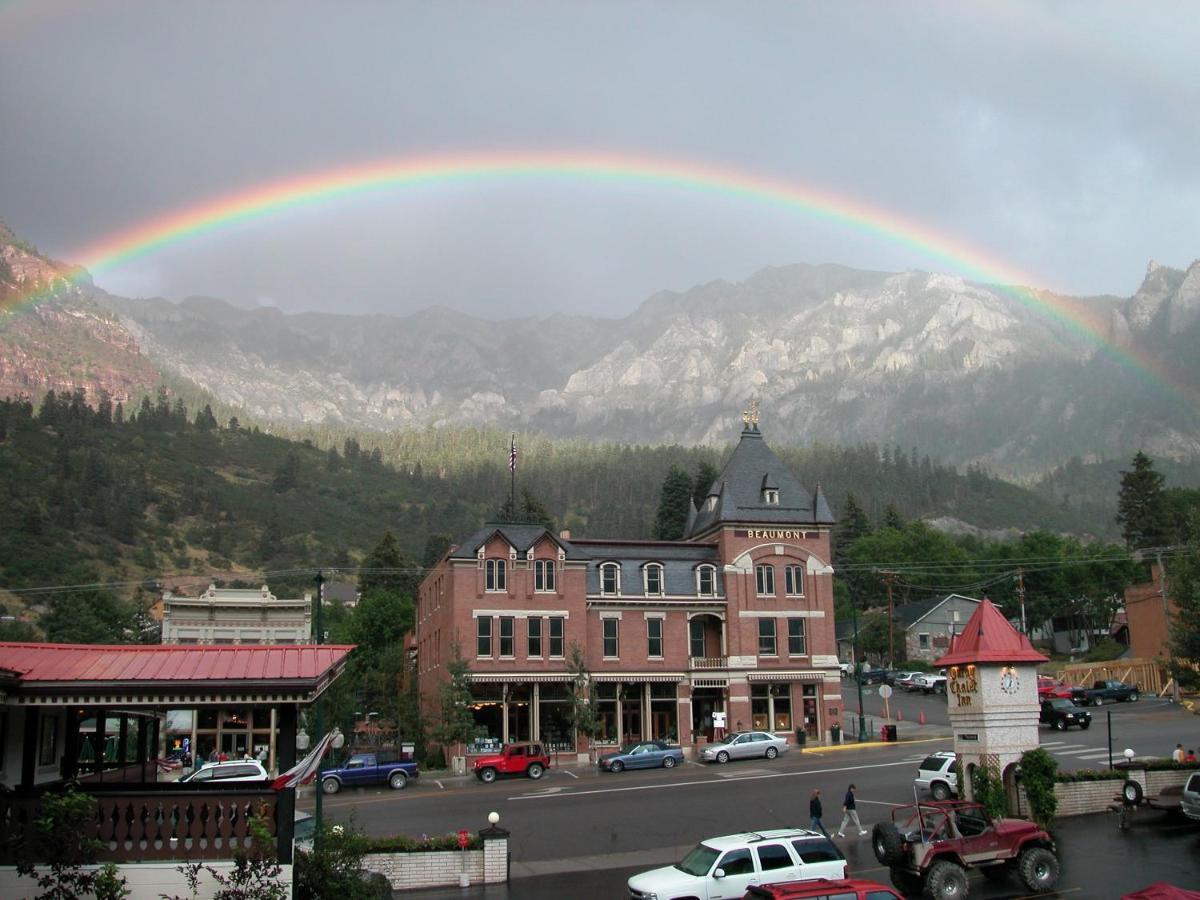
(512, 454)
(306, 770)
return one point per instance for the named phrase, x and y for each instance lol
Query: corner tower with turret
(778, 653)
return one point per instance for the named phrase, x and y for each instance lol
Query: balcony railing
(700, 663)
(137, 825)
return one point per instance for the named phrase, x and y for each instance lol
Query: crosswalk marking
(1099, 754)
(1078, 752)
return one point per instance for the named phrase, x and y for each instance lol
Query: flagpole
(512, 472)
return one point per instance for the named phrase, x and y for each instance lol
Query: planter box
(444, 868)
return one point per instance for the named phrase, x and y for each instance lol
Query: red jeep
(929, 847)
(513, 759)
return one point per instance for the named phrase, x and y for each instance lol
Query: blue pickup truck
(363, 769)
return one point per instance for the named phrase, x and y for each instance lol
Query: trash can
(889, 733)
(801, 738)
(835, 734)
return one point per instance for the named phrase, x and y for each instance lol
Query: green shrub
(402, 843)
(1104, 651)
(1038, 771)
(1088, 775)
(989, 791)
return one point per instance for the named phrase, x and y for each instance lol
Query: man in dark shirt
(850, 814)
(814, 811)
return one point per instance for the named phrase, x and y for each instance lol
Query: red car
(823, 889)
(513, 759)
(1052, 689)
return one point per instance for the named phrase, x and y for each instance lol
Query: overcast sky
(1062, 138)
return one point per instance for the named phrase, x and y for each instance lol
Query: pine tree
(892, 517)
(852, 525)
(674, 501)
(457, 721)
(706, 474)
(1184, 585)
(386, 568)
(1141, 510)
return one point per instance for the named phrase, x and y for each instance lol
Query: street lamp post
(318, 724)
(862, 721)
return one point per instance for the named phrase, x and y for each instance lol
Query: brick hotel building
(736, 617)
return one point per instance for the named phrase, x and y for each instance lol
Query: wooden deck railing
(136, 825)
(709, 662)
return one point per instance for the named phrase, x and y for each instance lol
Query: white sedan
(743, 745)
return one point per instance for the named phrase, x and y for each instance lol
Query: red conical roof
(988, 637)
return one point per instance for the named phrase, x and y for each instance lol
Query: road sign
(885, 691)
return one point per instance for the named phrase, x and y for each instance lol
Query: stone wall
(1076, 798)
(443, 868)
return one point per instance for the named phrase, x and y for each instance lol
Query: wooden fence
(1148, 674)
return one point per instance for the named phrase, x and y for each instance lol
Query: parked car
(743, 745)
(824, 889)
(724, 867)
(233, 770)
(646, 755)
(930, 683)
(513, 759)
(370, 768)
(1105, 690)
(906, 680)
(1062, 714)
(938, 774)
(1189, 800)
(1051, 688)
(928, 848)
(876, 676)
(846, 668)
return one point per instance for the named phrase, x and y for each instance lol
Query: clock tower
(991, 690)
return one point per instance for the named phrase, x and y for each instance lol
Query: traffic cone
(899, 715)
(921, 718)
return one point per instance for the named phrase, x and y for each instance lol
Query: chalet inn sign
(962, 683)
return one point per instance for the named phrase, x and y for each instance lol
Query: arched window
(610, 578)
(652, 576)
(706, 580)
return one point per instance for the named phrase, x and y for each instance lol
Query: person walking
(850, 814)
(814, 812)
(1177, 754)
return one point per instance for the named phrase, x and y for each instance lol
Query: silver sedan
(743, 745)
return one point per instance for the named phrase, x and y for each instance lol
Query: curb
(856, 745)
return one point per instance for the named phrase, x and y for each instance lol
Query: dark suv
(1062, 714)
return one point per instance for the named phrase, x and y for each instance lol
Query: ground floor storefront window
(555, 730)
(487, 710)
(664, 712)
(771, 707)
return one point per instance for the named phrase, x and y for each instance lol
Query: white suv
(725, 867)
(938, 775)
(233, 770)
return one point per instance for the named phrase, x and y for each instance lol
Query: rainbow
(314, 189)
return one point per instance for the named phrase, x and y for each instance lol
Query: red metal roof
(170, 662)
(988, 637)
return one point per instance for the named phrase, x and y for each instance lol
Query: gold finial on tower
(750, 416)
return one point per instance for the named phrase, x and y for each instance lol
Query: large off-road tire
(946, 880)
(940, 790)
(996, 873)
(906, 882)
(722, 757)
(888, 843)
(398, 781)
(1039, 869)
(488, 775)
(331, 785)
(668, 762)
(535, 771)
(616, 766)
(1131, 793)
(771, 753)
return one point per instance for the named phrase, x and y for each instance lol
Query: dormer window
(610, 578)
(495, 571)
(771, 497)
(706, 581)
(711, 503)
(653, 577)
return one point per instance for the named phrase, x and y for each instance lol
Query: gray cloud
(1059, 138)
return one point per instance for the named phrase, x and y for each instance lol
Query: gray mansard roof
(679, 562)
(740, 491)
(519, 537)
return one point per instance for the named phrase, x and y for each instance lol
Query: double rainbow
(540, 168)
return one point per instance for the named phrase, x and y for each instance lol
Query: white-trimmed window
(766, 637)
(534, 648)
(652, 576)
(923, 641)
(793, 578)
(507, 631)
(483, 636)
(610, 578)
(764, 580)
(797, 645)
(611, 633)
(706, 581)
(557, 628)
(771, 497)
(543, 575)
(696, 637)
(712, 502)
(654, 638)
(495, 572)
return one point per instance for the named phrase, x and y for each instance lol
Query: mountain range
(961, 370)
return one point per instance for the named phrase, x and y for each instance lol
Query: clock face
(1009, 683)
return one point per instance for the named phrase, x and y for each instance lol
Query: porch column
(70, 761)
(646, 712)
(285, 804)
(535, 717)
(29, 749)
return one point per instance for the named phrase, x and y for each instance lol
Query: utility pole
(862, 721)
(318, 724)
(889, 578)
(1021, 598)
